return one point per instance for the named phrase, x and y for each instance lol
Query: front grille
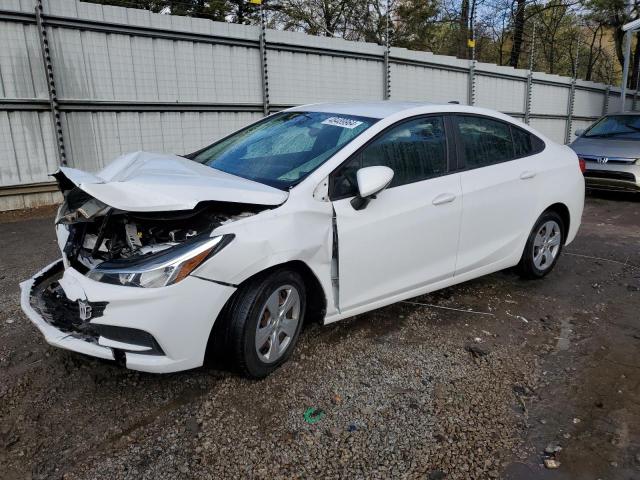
(609, 175)
(63, 313)
(49, 300)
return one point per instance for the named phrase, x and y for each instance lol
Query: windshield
(284, 148)
(623, 126)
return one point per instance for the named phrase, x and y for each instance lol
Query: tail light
(583, 164)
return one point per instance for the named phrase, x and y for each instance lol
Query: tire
(253, 307)
(541, 253)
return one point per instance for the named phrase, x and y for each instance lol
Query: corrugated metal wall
(129, 80)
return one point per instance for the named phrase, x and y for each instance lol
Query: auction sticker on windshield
(342, 122)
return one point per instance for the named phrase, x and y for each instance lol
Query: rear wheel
(543, 247)
(265, 322)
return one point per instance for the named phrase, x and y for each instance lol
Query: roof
(377, 109)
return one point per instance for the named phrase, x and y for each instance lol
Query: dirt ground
(471, 382)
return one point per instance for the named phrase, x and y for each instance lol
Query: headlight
(160, 269)
(637, 162)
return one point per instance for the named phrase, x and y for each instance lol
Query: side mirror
(371, 181)
(579, 132)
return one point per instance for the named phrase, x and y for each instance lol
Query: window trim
(462, 160)
(450, 152)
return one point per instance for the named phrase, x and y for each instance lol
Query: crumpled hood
(147, 182)
(606, 147)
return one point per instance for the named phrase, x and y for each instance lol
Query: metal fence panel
(588, 103)
(128, 80)
(552, 128)
(504, 94)
(411, 82)
(296, 78)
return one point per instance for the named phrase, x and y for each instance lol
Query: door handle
(444, 198)
(527, 174)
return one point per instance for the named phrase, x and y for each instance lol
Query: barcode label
(342, 122)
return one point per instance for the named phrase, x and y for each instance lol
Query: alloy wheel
(546, 245)
(278, 323)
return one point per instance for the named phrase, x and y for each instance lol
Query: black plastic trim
(131, 336)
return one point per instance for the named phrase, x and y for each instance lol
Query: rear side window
(415, 150)
(525, 143)
(484, 141)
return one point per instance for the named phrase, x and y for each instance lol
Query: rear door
(407, 236)
(500, 184)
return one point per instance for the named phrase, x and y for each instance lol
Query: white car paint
(372, 180)
(152, 182)
(410, 240)
(399, 242)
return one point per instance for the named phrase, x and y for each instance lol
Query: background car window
(414, 150)
(621, 126)
(485, 141)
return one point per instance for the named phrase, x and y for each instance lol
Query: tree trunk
(518, 32)
(464, 29)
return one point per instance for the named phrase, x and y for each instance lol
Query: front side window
(283, 149)
(415, 150)
(484, 141)
(617, 126)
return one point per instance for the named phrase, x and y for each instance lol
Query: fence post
(387, 66)
(263, 60)
(529, 88)
(605, 105)
(635, 93)
(572, 97)
(471, 93)
(471, 43)
(51, 85)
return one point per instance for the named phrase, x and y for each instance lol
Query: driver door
(407, 237)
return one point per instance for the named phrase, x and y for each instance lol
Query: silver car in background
(610, 150)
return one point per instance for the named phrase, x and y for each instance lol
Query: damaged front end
(85, 302)
(141, 249)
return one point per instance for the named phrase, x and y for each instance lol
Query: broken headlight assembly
(160, 269)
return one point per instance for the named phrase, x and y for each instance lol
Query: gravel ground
(408, 391)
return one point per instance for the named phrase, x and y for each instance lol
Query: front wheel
(543, 247)
(265, 322)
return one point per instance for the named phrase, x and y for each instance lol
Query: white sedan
(317, 212)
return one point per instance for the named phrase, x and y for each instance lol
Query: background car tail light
(583, 164)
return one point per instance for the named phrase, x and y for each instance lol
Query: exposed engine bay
(98, 233)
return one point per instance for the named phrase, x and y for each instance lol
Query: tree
(612, 14)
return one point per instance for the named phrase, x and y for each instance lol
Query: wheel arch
(316, 296)
(562, 210)
(218, 341)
